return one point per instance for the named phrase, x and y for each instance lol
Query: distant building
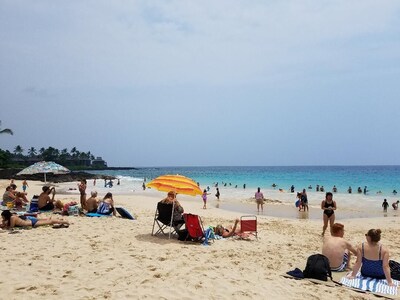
(99, 162)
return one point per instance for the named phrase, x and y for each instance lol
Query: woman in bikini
(230, 231)
(373, 258)
(329, 207)
(10, 221)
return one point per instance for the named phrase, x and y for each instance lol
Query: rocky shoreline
(72, 176)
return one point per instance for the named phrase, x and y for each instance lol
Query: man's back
(334, 248)
(43, 199)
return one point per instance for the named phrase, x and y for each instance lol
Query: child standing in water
(204, 196)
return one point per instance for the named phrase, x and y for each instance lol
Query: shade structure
(44, 167)
(177, 183)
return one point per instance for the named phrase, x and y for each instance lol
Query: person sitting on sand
(373, 258)
(337, 249)
(47, 203)
(92, 203)
(106, 206)
(20, 197)
(178, 209)
(8, 197)
(10, 221)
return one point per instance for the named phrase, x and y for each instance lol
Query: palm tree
(73, 152)
(7, 130)
(32, 151)
(41, 152)
(18, 150)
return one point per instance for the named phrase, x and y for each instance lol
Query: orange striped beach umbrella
(177, 183)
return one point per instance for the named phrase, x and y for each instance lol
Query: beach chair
(194, 227)
(164, 219)
(248, 225)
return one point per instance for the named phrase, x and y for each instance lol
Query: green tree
(5, 158)
(73, 152)
(18, 150)
(41, 151)
(32, 151)
(6, 130)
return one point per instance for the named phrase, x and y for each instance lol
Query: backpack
(318, 267)
(394, 269)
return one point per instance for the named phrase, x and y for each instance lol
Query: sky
(204, 83)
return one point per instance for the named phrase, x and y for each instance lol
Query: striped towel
(371, 284)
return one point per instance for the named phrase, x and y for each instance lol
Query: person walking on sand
(260, 200)
(24, 185)
(204, 196)
(337, 249)
(329, 207)
(385, 205)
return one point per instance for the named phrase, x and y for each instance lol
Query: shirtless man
(337, 249)
(92, 203)
(47, 203)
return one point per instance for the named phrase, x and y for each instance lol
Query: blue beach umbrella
(44, 167)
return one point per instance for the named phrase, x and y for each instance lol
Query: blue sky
(185, 83)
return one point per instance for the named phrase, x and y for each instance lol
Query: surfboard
(124, 213)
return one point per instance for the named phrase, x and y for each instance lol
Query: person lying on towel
(10, 221)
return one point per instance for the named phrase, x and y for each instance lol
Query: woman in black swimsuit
(329, 207)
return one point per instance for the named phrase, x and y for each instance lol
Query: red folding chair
(194, 226)
(248, 225)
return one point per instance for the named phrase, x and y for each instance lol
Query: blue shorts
(33, 220)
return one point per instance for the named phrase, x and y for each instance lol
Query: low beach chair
(194, 227)
(164, 218)
(248, 225)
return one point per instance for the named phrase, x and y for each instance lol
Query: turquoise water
(383, 179)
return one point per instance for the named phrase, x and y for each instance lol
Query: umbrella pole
(44, 177)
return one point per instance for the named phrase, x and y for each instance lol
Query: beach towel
(208, 234)
(374, 285)
(96, 215)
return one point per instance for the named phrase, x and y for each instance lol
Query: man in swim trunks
(337, 249)
(47, 203)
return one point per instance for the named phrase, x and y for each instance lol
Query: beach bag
(394, 269)
(104, 208)
(34, 207)
(183, 235)
(73, 210)
(318, 267)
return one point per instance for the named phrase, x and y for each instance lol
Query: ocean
(238, 184)
(383, 179)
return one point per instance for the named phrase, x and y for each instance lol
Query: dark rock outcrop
(73, 176)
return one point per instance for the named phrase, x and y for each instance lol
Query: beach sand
(115, 258)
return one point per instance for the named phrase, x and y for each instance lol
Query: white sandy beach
(115, 258)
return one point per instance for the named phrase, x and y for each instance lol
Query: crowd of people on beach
(372, 258)
(18, 211)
